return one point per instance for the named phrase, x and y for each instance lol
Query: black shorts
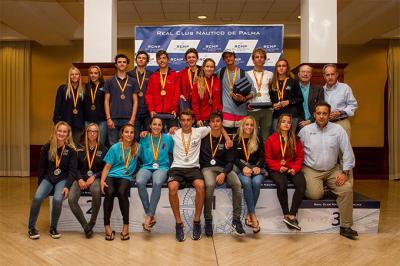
(184, 176)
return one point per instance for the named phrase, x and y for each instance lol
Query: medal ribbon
(247, 155)
(140, 82)
(94, 94)
(283, 146)
(90, 160)
(186, 146)
(190, 77)
(126, 160)
(163, 80)
(259, 83)
(155, 152)
(75, 99)
(58, 159)
(213, 152)
(209, 89)
(229, 78)
(281, 92)
(119, 84)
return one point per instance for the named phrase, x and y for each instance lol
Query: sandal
(152, 223)
(146, 228)
(110, 237)
(125, 237)
(257, 228)
(248, 222)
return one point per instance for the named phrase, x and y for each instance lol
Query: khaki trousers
(346, 125)
(315, 181)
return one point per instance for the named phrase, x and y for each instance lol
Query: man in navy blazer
(312, 95)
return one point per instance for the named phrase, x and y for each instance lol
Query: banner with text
(210, 42)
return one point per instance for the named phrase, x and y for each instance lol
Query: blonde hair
(86, 134)
(101, 79)
(252, 144)
(134, 144)
(291, 137)
(69, 84)
(275, 76)
(201, 84)
(53, 140)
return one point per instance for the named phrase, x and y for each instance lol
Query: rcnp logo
(180, 46)
(242, 46)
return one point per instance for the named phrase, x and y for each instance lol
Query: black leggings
(281, 181)
(116, 187)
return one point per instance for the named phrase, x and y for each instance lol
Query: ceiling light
(201, 17)
(299, 17)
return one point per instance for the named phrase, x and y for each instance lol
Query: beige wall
(366, 74)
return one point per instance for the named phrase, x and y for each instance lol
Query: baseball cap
(228, 51)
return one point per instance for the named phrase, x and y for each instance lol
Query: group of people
(197, 126)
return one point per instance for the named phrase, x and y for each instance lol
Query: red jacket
(163, 104)
(202, 108)
(273, 154)
(185, 88)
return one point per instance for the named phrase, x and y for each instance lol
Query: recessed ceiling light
(201, 17)
(299, 17)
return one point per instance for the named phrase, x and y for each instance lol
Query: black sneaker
(292, 223)
(348, 232)
(238, 228)
(208, 228)
(89, 233)
(196, 231)
(54, 234)
(179, 234)
(33, 234)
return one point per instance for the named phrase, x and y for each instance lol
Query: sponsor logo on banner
(212, 47)
(152, 60)
(272, 58)
(215, 56)
(180, 46)
(241, 46)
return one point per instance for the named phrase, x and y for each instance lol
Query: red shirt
(273, 155)
(163, 104)
(202, 108)
(185, 88)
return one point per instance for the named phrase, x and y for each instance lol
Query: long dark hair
(291, 136)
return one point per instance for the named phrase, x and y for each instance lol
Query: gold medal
(140, 82)
(122, 97)
(75, 100)
(186, 146)
(209, 89)
(258, 94)
(163, 82)
(231, 83)
(258, 82)
(75, 111)
(283, 145)
(93, 95)
(163, 92)
(140, 94)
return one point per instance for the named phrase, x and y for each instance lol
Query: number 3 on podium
(336, 219)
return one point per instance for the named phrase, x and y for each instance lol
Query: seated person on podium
(284, 156)
(322, 143)
(155, 149)
(216, 162)
(90, 165)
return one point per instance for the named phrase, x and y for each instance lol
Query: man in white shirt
(261, 79)
(185, 169)
(322, 143)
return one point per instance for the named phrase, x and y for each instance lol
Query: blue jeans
(103, 130)
(113, 133)
(42, 192)
(251, 190)
(158, 177)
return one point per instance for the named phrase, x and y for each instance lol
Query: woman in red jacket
(284, 156)
(206, 95)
